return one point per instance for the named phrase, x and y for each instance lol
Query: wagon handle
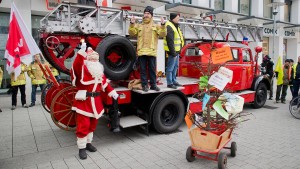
(47, 72)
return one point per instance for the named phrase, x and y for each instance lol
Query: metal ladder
(75, 18)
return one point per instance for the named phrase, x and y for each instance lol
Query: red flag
(20, 45)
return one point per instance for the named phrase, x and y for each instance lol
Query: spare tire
(117, 54)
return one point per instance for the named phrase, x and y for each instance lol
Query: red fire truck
(105, 30)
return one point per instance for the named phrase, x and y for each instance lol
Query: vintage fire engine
(105, 30)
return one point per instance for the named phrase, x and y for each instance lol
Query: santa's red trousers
(85, 125)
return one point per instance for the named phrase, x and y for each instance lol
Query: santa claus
(88, 77)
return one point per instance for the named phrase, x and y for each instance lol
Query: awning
(253, 20)
(187, 8)
(142, 3)
(293, 28)
(280, 24)
(226, 16)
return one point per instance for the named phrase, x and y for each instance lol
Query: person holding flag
(284, 76)
(19, 50)
(19, 83)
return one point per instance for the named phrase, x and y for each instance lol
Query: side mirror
(258, 49)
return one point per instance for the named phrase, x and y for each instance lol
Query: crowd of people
(287, 75)
(18, 83)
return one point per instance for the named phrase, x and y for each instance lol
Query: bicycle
(294, 107)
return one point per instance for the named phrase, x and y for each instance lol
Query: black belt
(92, 94)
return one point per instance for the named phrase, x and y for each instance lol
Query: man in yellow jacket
(1, 77)
(37, 78)
(284, 76)
(19, 83)
(147, 38)
(54, 71)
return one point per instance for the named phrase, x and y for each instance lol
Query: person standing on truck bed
(147, 38)
(173, 43)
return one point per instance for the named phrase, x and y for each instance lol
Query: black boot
(82, 154)
(115, 117)
(90, 147)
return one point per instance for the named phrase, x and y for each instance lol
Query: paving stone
(59, 164)
(73, 163)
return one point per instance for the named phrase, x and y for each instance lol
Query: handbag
(81, 95)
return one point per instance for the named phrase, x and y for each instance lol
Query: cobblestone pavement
(29, 139)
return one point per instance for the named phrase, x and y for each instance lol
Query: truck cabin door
(247, 69)
(235, 66)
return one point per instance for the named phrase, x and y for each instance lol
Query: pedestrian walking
(173, 43)
(18, 83)
(147, 34)
(37, 78)
(284, 76)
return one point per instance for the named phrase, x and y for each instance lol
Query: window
(265, 46)
(4, 21)
(35, 21)
(287, 10)
(187, 1)
(284, 49)
(267, 10)
(235, 55)
(219, 4)
(246, 56)
(244, 7)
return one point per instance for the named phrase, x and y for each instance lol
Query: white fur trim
(90, 137)
(113, 92)
(81, 142)
(74, 77)
(104, 86)
(82, 53)
(88, 114)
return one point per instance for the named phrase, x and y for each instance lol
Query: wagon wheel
(43, 96)
(61, 109)
(52, 42)
(50, 91)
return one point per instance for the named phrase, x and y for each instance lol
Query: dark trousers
(150, 62)
(33, 92)
(271, 88)
(292, 89)
(14, 90)
(284, 90)
(296, 85)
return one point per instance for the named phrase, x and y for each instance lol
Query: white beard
(95, 68)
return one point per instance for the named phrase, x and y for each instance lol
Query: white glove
(115, 96)
(83, 46)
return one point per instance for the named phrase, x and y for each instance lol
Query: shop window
(219, 4)
(4, 21)
(284, 49)
(35, 21)
(244, 7)
(265, 46)
(267, 10)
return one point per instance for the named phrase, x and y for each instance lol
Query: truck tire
(168, 114)
(260, 96)
(117, 54)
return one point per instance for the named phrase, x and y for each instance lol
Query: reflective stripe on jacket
(36, 74)
(147, 37)
(178, 38)
(21, 79)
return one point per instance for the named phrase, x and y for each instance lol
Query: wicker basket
(208, 141)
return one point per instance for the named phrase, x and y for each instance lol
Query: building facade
(255, 12)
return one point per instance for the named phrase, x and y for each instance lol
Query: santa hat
(91, 54)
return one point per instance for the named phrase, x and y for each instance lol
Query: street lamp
(274, 6)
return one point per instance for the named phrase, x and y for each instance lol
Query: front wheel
(260, 96)
(168, 114)
(295, 107)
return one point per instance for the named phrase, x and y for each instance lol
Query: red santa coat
(83, 80)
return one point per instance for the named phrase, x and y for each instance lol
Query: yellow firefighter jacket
(21, 79)
(147, 37)
(53, 70)
(1, 76)
(36, 74)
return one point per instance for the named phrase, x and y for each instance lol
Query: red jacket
(83, 80)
